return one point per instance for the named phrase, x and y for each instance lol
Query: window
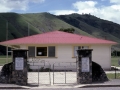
(51, 51)
(45, 51)
(79, 47)
(31, 51)
(41, 51)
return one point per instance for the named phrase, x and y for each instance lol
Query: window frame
(47, 51)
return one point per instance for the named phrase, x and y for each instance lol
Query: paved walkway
(111, 83)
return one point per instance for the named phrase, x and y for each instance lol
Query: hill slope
(94, 26)
(47, 22)
(20, 25)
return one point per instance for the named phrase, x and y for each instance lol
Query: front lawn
(112, 75)
(3, 60)
(114, 61)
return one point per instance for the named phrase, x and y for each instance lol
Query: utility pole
(28, 30)
(6, 40)
(6, 30)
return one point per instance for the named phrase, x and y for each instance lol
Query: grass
(114, 61)
(3, 60)
(2, 56)
(112, 76)
(49, 22)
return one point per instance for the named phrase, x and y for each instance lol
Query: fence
(39, 72)
(114, 73)
(64, 73)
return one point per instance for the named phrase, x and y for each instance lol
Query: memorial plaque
(85, 64)
(19, 63)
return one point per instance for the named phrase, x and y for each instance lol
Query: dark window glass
(79, 47)
(51, 51)
(41, 51)
(31, 51)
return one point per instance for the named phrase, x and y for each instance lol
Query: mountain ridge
(21, 25)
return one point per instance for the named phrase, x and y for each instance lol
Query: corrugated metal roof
(56, 37)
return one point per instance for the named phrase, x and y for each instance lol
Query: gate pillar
(19, 73)
(84, 66)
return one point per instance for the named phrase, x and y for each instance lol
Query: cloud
(85, 6)
(37, 1)
(115, 1)
(110, 12)
(103, 0)
(62, 12)
(79, 7)
(9, 5)
(4, 9)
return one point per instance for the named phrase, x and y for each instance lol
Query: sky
(104, 9)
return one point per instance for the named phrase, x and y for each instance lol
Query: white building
(57, 46)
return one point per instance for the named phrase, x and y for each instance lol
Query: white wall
(102, 55)
(64, 53)
(23, 47)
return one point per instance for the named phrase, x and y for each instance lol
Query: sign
(19, 63)
(85, 64)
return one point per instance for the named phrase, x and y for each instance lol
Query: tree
(69, 30)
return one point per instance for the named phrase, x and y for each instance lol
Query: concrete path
(111, 83)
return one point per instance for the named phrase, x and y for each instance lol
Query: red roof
(56, 37)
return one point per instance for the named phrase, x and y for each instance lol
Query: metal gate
(64, 73)
(39, 72)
